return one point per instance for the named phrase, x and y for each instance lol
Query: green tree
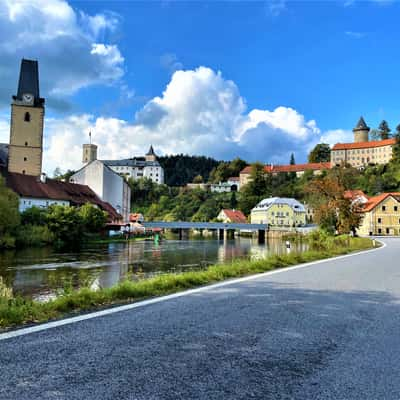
(233, 203)
(384, 130)
(9, 215)
(198, 179)
(292, 160)
(320, 153)
(93, 219)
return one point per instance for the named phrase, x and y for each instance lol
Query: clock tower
(27, 115)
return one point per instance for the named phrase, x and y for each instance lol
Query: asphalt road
(329, 331)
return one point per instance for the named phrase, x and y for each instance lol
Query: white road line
(66, 321)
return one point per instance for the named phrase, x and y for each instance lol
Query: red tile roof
(353, 194)
(233, 178)
(376, 200)
(291, 168)
(364, 145)
(31, 186)
(235, 216)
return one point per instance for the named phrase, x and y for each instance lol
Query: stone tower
(27, 115)
(89, 152)
(361, 131)
(151, 156)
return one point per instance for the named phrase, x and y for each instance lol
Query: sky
(258, 80)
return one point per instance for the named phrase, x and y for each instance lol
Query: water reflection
(43, 273)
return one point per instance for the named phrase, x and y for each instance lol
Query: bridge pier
(221, 234)
(183, 234)
(229, 234)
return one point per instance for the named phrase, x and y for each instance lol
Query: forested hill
(181, 169)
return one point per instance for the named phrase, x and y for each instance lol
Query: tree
(292, 160)
(93, 218)
(384, 130)
(9, 215)
(233, 201)
(333, 212)
(198, 179)
(320, 153)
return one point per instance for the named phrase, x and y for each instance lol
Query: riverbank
(17, 311)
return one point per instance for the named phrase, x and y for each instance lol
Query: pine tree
(292, 160)
(384, 130)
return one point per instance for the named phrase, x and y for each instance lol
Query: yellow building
(26, 132)
(282, 212)
(362, 152)
(381, 215)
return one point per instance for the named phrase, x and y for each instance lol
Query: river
(44, 273)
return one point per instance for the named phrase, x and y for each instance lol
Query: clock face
(27, 97)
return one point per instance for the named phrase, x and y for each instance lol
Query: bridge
(225, 230)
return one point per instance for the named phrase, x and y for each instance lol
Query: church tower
(27, 115)
(361, 131)
(89, 151)
(151, 155)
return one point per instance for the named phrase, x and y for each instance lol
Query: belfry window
(27, 117)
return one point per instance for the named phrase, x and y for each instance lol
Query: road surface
(327, 331)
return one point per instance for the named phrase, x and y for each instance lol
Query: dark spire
(361, 126)
(29, 81)
(151, 151)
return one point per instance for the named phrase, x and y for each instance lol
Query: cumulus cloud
(200, 112)
(70, 45)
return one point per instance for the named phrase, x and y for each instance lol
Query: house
(136, 218)
(362, 151)
(108, 185)
(298, 169)
(139, 167)
(381, 215)
(43, 192)
(232, 216)
(357, 197)
(277, 211)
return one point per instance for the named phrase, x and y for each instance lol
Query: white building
(139, 167)
(107, 184)
(231, 185)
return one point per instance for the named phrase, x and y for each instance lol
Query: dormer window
(27, 117)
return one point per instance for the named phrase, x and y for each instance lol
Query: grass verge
(17, 311)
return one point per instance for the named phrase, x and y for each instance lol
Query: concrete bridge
(225, 230)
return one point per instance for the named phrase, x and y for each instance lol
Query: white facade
(28, 202)
(107, 184)
(137, 170)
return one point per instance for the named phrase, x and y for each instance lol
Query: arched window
(26, 143)
(23, 171)
(27, 117)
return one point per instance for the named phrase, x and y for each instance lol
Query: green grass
(17, 311)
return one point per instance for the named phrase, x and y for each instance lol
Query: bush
(34, 235)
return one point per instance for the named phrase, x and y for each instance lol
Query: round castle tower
(361, 131)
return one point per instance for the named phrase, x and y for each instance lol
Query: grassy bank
(16, 311)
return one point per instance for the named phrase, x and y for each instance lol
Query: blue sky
(252, 79)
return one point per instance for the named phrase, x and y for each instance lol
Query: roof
(361, 125)
(29, 81)
(131, 162)
(151, 151)
(233, 178)
(364, 145)
(376, 200)
(291, 168)
(76, 194)
(3, 154)
(235, 216)
(354, 194)
(265, 204)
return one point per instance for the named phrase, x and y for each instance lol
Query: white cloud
(199, 112)
(70, 45)
(275, 7)
(337, 136)
(355, 35)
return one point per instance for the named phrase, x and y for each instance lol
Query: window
(25, 158)
(27, 117)
(379, 231)
(387, 231)
(26, 143)
(379, 220)
(383, 208)
(23, 171)
(395, 208)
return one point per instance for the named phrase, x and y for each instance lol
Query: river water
(43, 273)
